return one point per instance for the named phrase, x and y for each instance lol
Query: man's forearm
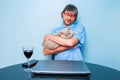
(64, 42)
(59, 49)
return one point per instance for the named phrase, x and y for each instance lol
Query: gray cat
(66, 33)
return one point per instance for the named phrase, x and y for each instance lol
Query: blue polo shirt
(73, 53)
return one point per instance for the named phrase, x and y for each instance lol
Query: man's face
(68, 17)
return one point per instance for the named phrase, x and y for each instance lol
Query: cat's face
(66, 33)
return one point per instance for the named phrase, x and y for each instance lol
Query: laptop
(61, 67)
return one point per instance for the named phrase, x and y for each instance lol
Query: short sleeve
(53, 31)
(80, 34)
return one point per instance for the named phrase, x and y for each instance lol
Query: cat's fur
(66, 33)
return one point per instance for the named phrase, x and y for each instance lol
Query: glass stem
(28, 63)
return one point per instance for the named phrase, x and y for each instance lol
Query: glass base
(27, 70)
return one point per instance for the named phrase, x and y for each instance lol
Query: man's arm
(64, 42)
(59, 49)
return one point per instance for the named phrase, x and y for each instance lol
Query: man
(70, 48)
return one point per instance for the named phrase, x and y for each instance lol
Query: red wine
(28, 53)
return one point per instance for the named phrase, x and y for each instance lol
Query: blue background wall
(25, 22)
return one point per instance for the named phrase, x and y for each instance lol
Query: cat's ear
(60, 33)
(73, 32)
(68, 29)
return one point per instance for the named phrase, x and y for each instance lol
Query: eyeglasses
(69, 14)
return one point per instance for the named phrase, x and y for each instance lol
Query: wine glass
(28, 51)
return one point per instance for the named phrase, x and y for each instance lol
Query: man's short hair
(71, 8)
